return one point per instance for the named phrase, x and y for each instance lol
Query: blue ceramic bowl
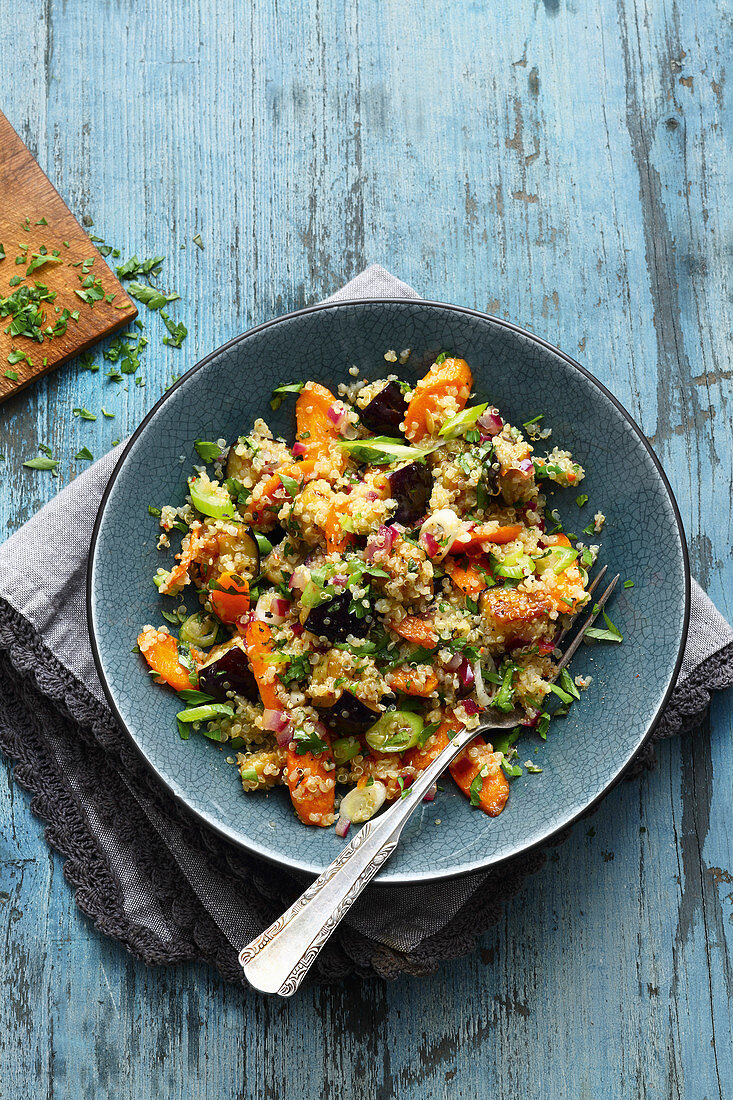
(642, 540)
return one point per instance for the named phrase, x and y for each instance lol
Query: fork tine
(600, 602)
(590, 589)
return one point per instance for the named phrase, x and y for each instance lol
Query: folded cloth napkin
(146, 871)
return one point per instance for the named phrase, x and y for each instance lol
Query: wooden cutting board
(33, 217)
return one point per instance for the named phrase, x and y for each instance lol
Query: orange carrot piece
(403, 679)
(467, 578)
(315, 429)
(452, 375)
(336, 538)
(300, 471)
(420, 757)
(162, 656)
(258, 643)
(482, 533)
(416, 630)
(230, 597)
(494, 788)
(313, 806)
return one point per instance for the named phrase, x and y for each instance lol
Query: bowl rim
(405, 878)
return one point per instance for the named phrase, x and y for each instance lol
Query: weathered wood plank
(566, 167)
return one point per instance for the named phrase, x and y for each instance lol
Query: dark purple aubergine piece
(411, 488)
(335, 621)
(228, 669)
(385, 412)
(349, 716)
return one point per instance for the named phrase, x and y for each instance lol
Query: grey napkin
(145, 870)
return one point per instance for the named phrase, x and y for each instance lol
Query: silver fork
(278, 960)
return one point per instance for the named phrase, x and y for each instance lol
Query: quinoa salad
(344, 600)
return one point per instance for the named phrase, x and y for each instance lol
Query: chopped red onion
(299, 449)
(455, 662)
(526, 466)
(383, 539)
(490, 422)
(274, 612)
(336, 415)
(431, 544)
(275, 720)
(531, 720)
(342, 826)
(339, 579)
(470, 707)
(297, 629)
(466, 674)
(284, 736)
(298, 579)
(431, 793)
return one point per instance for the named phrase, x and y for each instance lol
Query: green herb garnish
(611, 634)
(279, 393)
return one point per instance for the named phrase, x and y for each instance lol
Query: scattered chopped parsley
(42, 463)
(296, 670)
(84, 453)
(289, 484)
(177, 329)
(534, 420)
(197, 240)
(84, 414)
(628, 584)
(278, 394)
(109, 415)
(12, 375)
(149, 296)
(581, 500)
(152, 511)
(308, 742)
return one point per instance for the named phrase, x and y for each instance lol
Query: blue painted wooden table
(564, 165)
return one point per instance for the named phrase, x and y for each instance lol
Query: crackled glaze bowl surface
(642, 540)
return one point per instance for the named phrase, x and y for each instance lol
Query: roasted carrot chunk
(409, 682)
(466, 577)
(483, 533)
(416, 630)
(336, 538)
(161, 653)
(420, 757)
(230, 597)
(451, 378)
(258, 643)
(315, 428)
(494, 788)
(274, 487)
(312, 785)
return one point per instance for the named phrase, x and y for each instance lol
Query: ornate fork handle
(278, 959)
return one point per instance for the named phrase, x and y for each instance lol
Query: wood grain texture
(33, 216)
(566, 166)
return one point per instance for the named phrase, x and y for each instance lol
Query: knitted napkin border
(40, 697)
